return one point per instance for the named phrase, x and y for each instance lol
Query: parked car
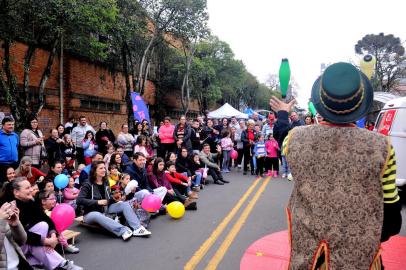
(391, 121)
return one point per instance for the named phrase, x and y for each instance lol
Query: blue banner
(139, 107)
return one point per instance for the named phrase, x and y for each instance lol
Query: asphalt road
(217, 233)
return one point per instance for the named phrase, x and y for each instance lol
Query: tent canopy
(227, 111)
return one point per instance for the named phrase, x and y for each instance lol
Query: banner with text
(139, 107)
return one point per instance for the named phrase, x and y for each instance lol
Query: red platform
(272, 252)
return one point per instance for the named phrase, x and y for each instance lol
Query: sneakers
(275, 174)
(284, 175)
(71, 249)
(244, 173)
(127, 235)
(141, 231)
(69, 265)
(290, 177)
(224, 181)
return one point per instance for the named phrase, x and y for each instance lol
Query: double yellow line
(218, 256)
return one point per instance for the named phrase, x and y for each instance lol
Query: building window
(100, 105)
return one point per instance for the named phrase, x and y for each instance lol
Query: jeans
(128, 212)
(105, 222)
(285, 167)
(37, 255)
(226, 159)
(198, 179)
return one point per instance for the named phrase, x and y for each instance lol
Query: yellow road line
(199, 254)
(218, 256)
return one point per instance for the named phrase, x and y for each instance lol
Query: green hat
(342, 94)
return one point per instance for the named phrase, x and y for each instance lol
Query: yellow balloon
(175, 209)
(367, 65)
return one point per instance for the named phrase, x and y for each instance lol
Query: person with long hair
(126, 140)
(54, 146)
(26, 169)
(117, 161)
(104, 137)
(141, 145)
(32, 141)
(94, 197)
(182, 134)
(167, 142)
(61, 130)
(89, 146)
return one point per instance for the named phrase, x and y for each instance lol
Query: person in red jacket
(179, 181)
(167, 142)
(25, 169)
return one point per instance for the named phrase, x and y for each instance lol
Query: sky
(308, 33)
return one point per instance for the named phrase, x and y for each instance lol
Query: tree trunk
(144, 60)
(27, 68)
(45, 76)
(146, 72)
(128, 101)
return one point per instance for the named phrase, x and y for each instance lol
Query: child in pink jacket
(70, 193)
(271, 160)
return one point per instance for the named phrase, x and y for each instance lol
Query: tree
(42, 24)
(390, 59)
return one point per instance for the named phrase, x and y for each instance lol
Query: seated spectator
(197, 170)
(84, 174)
(141, 146)
(114, 175)
(76, 174)
(6, 192)
(94, 197)
(41, 234)
(110, 152)
(183, 162)
(124, 158)
(12, 236)
(55, 169)
(207, 158)
(70, 193)
(69, 153)
(25, 169)
(126, 140)
(89, 146)
(48, 202)
(138, 172)
(118, 162)
(171, 157)
(179, 181)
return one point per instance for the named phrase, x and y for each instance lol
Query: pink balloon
(63, 216)
(151, 203)
(234, 154)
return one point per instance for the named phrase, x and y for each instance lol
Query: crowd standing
(109, 175)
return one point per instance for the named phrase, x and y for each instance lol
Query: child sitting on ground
(48, 202)
(114, 175)
(70, 193)
(76, 174)
(179, 181)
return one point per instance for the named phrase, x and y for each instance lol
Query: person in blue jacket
(8, 147)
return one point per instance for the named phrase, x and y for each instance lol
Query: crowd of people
(111, 173)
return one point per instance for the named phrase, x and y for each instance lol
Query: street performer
(344, 202)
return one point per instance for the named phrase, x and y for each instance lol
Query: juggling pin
(367, 65)
(312, 109)
(284, 76)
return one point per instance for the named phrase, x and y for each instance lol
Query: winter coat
(166, 133)
(159, 180)
(126, 140)
(30, 147)
(16, 237)
(8, 147)
(102, 138)
(208, 160)
(140, 175)
(182, 165)
(245, 139)
(79, 132)
(186, 136)
(54, 150)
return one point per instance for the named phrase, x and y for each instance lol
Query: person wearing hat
(344, 202)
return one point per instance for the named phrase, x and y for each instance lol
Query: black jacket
(244, 137)
(186, 136)
(281, 127)
(183, 165)
(89, 195)
(54, 150)
(31, 213)
(140, 175)
(102, 144)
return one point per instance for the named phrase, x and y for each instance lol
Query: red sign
(386, 122)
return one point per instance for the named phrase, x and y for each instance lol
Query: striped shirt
(390, 191)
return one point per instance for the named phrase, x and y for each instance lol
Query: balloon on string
(234, 154)
(284, 76)
(367, 65)
(175, 209)
(151, 203)
(61, 181)
(63, 216)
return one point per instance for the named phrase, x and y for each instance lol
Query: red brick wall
(81, 79)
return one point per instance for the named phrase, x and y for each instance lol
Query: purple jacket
(159, 180)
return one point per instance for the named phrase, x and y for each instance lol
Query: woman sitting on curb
(94, 196)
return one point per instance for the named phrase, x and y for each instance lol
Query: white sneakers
(127, 235)
(141, 231)
(71, 249)
(290, 177)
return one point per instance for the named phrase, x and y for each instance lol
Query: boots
(275, 173)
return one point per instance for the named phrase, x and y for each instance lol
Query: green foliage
(390, 59)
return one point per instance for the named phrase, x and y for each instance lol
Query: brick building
(88, 89)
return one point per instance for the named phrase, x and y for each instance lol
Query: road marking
(199, 254)
(218, 256)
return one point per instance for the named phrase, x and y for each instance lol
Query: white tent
(227, 111)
